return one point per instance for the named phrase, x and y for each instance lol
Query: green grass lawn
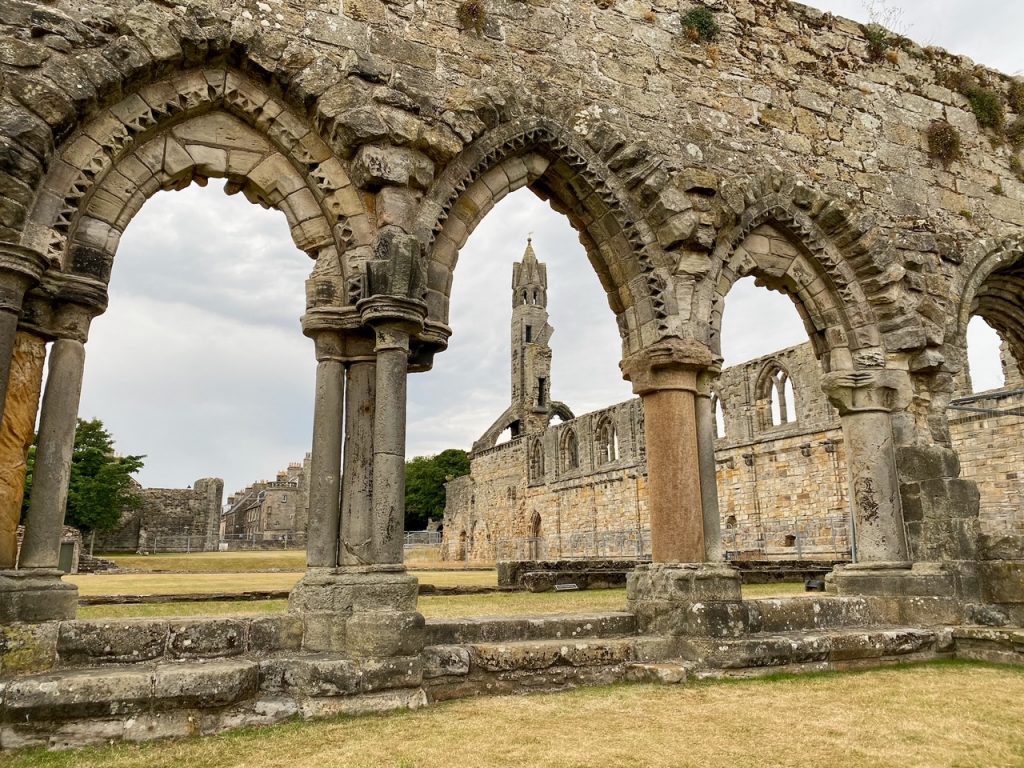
(924, 716)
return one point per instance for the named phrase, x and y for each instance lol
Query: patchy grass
(926, 715)
(431, 606)
(196, 609)
(214, 562)
(207, 583)
(180, 583)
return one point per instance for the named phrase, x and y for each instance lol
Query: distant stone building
(275, 510)
(167, 516)
(578, 488)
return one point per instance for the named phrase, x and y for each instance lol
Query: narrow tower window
(529, 334)
(542, 384)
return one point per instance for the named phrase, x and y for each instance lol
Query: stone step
(529, 628)
(119, 702)
(827, 649)
(995, 644)
(488, 668)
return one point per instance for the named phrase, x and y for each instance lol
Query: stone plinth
(36, 595)
(367, 611)
(926, 594)
(687, 599)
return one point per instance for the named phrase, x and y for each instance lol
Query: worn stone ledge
(170, 697)
(775, 650)
(455, 631)
(1002, 645)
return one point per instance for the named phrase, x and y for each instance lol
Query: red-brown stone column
(665, 377)
(20, 409)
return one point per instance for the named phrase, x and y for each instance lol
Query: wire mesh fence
(633, 544)
(797, 538)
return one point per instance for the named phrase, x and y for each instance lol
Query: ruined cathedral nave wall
(782, 488)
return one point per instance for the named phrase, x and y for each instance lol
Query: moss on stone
(472, 15)
(27, 648)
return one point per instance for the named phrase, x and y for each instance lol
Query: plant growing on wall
(1015, 98)
(472, 15)
(1015, 133)
(943, 142)
(699, 25)
(988, 108)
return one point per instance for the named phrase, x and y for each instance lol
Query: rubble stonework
(169, 514)
(384, 132)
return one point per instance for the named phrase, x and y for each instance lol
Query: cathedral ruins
(578, 489)
(690, 143)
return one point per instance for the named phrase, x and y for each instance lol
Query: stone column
(20, 269)
(57, 422)
(357, 484)
(708, 474)
(16, 433)
(665, 377)
(865, 400)
(393, 319)
(325, 460)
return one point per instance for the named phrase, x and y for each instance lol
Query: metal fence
(632, 544)
(422, 538)
(796, 538)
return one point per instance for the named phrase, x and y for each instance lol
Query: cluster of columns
(357, 487)
(30, 586)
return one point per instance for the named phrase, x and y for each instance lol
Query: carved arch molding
(193, 126)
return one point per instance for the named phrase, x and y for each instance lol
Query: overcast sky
(201, 365)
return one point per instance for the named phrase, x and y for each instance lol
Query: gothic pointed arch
(606, 440)
(592, 183)
(992, 287)
(771, 399)
(569, 450)
(796, 240)
(206, 123)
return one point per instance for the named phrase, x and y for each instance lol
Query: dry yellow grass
(433, 607)
(206, 583)
(214, 562)
(917, 717)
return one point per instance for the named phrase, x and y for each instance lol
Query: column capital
(393, 315)
(20, 269)
(672, 363)
(343, 345)
(706, 379)
(881, 390)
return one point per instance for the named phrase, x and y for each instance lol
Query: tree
(425, 477)
(101, 485)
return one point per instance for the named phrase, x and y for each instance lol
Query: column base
(687, 599)
(929, 593)
(361, 611)
(32, 595)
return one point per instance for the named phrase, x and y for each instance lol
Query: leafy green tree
(425, 477)
(101, 485)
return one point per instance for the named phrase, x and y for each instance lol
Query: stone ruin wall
(782, 489)
(992, 455)
(164, 515)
